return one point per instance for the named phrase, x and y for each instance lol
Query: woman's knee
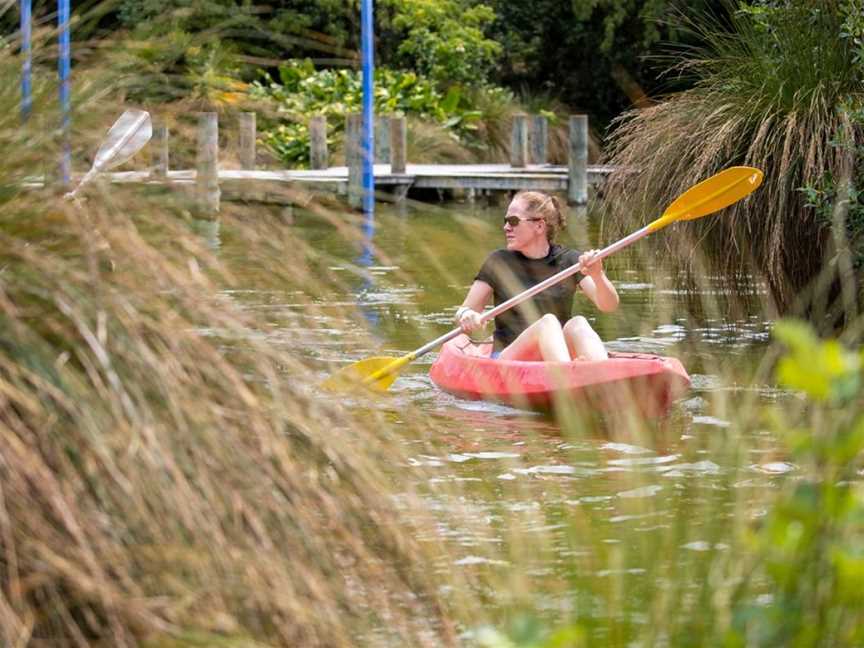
(549, 323)
(577, 324)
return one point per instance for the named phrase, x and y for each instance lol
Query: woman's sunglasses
(513, 221)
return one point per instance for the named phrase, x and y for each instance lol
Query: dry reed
(167, 474)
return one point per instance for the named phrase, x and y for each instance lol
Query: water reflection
(366, 260)
(210, 232)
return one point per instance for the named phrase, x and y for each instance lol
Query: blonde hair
(547, 207)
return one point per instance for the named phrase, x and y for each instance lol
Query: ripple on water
(603, 573)
(705, 382)
(644, 491)
(557, 470)
(467, 456)
(637, 516)
(628, 286)
(478, 560)
(624, 448)
(699, 467)
(701, 545)
(711, 420)
(774, 468)
(643, 461)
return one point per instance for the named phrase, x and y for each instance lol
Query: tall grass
(770, 90)
(168, 476)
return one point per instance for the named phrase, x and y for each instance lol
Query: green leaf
(451, 101)
(823, 370)
(570, 637)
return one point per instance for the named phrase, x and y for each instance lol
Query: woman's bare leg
(543, 340)
(582, 341)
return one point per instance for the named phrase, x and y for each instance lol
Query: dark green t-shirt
(510, 273)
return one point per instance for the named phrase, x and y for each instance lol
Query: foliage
(766, 91)
(262, 29)
(581, 49)
(441, 39)
(177, 66)
(577, 50)
(823, 196)
(810, 542)
(444, 40)
(302, 92)
(156, 485)
(791, 572)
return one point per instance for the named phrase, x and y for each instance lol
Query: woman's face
(527, 232)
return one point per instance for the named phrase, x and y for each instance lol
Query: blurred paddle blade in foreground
(362, 374)
(132, 130)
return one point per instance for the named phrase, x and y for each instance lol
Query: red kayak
(649, 382)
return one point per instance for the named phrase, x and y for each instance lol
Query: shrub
(302, 92)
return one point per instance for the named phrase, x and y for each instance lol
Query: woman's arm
(468, 315)
(596, 285)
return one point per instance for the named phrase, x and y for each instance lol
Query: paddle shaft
(537, 288)
(105, 161)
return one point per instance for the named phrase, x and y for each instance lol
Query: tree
(587, 52)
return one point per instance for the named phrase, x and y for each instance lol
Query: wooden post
(382, 139)
(318, 142)
(354, 159)
(577, 187)
(398, 145)
(207, 163)
(519, 141)
(247, 140)
(538, 137)
(160, 150)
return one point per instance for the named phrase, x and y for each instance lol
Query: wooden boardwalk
(261, 185)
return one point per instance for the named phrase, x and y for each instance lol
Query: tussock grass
(768, 93)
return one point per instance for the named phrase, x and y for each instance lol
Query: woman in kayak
(539, 328)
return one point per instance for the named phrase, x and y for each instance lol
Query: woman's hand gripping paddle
(707, 197)
(127, 136)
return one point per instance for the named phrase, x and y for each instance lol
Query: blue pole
(64, 70)
(27, 56)
(367, 52)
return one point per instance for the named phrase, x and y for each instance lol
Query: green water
(588, 522)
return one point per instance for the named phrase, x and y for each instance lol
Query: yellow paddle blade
(373, 373)
(711, 195)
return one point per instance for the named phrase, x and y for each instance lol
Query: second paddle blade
(359, 373)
